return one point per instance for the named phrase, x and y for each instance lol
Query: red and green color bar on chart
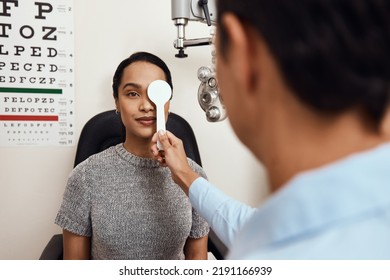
(50, 118)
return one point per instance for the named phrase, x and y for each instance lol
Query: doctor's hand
(175, 158)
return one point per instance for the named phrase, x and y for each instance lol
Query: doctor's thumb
(163, 138)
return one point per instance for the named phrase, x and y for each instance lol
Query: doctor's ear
(239, 50)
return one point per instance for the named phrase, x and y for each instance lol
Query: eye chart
(36, 73)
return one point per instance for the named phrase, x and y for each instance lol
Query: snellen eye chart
(36, 73)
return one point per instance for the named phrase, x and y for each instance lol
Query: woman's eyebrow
(133, 85)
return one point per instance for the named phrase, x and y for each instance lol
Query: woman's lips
(146, 121)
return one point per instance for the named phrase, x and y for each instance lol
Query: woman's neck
(139, 147)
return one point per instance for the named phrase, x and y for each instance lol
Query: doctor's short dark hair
(135, 57)
(333, 54)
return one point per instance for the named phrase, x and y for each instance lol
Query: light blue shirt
(338, 211)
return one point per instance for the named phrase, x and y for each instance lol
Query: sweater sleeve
(200, 227)
(74, 213)
(225, 215)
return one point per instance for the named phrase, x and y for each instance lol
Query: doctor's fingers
(173, 148)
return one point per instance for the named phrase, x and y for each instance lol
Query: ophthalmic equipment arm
(184, 11)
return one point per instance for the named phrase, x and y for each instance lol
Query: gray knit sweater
(130, 207)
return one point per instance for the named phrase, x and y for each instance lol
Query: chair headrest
(106, 129)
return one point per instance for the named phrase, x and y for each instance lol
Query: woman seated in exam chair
(120, 204)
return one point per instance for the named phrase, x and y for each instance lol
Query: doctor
(306, 85)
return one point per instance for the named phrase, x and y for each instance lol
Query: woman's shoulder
(197, 168)
(98, 159)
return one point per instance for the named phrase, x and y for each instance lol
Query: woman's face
(138, 113)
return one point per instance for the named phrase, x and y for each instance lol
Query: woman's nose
(146, 104)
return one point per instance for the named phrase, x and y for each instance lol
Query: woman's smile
(146, 120)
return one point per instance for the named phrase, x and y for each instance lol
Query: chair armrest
(216, 246)
(54, 249)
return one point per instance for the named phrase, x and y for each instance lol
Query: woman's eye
(132, 94)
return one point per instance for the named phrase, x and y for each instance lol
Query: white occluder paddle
(159, 93)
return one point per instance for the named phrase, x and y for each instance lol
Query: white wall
(33, 179)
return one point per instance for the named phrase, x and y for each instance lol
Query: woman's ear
(117, 104)
(240, 52)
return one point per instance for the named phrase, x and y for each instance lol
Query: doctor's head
(332, 56)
